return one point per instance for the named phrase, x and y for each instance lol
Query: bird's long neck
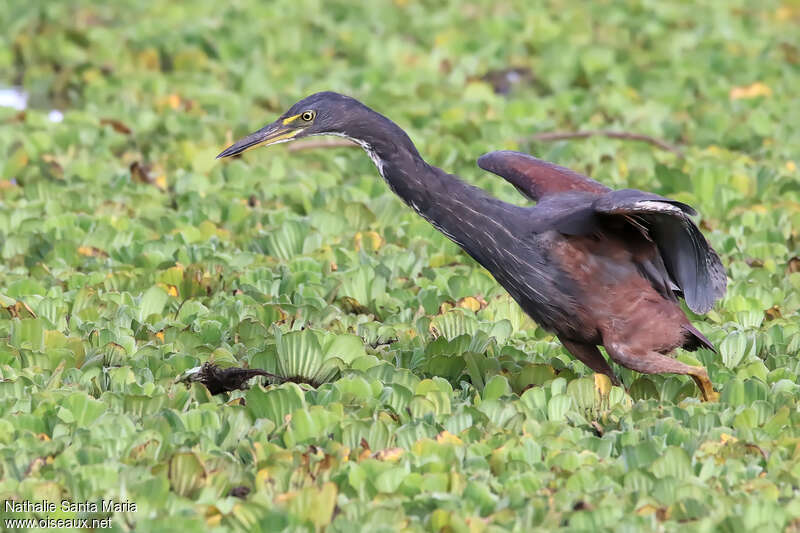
(466, 214)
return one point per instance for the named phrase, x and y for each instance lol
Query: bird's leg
(650, 362)
(700, 377)
(589, 355)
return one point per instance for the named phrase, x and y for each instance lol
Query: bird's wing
(691, 262)
(535, 178)
(686, 258)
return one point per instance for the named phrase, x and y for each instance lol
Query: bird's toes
(700, 377)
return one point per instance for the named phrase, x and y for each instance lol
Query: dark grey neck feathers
(465, 214)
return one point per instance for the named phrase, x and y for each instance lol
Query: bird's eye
(308, 116)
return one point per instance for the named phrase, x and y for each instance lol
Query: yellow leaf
(791, 166)
(262, 477)
(285, 497)
(754, 90)
(445, 307)
(365, 454)
(787, 12)
(283, 314)
(602, 384)
(377, 240)
(149, 59)
(369, 240)
(622, 166)
(161, 182)
(174, 101)
(470, 303)
(646, 510)
(90, 251)
(389, 454)
(445, 437)
(443, 38)
(214, 518)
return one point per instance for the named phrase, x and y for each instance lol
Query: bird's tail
(695, 339)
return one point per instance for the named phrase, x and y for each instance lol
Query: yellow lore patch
(289, 120)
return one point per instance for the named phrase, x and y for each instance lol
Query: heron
(592, 265)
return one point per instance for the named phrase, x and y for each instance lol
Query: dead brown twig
(544, 136)
(624, 135)
(322, 143)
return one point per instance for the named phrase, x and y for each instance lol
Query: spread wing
(577, 205)
(688, 258)
(535, 178)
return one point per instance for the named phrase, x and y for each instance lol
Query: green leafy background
(129, 255)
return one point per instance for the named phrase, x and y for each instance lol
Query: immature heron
(592, 265)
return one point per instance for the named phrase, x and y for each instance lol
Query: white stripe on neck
(363, 144)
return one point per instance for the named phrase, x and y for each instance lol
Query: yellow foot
(700, 376)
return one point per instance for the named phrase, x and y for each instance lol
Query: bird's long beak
(274, 133)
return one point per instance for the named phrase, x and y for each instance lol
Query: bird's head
(318, 114)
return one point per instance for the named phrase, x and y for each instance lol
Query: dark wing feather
(535, 178)
(686, 258)
(691, 262)
(624, 197)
